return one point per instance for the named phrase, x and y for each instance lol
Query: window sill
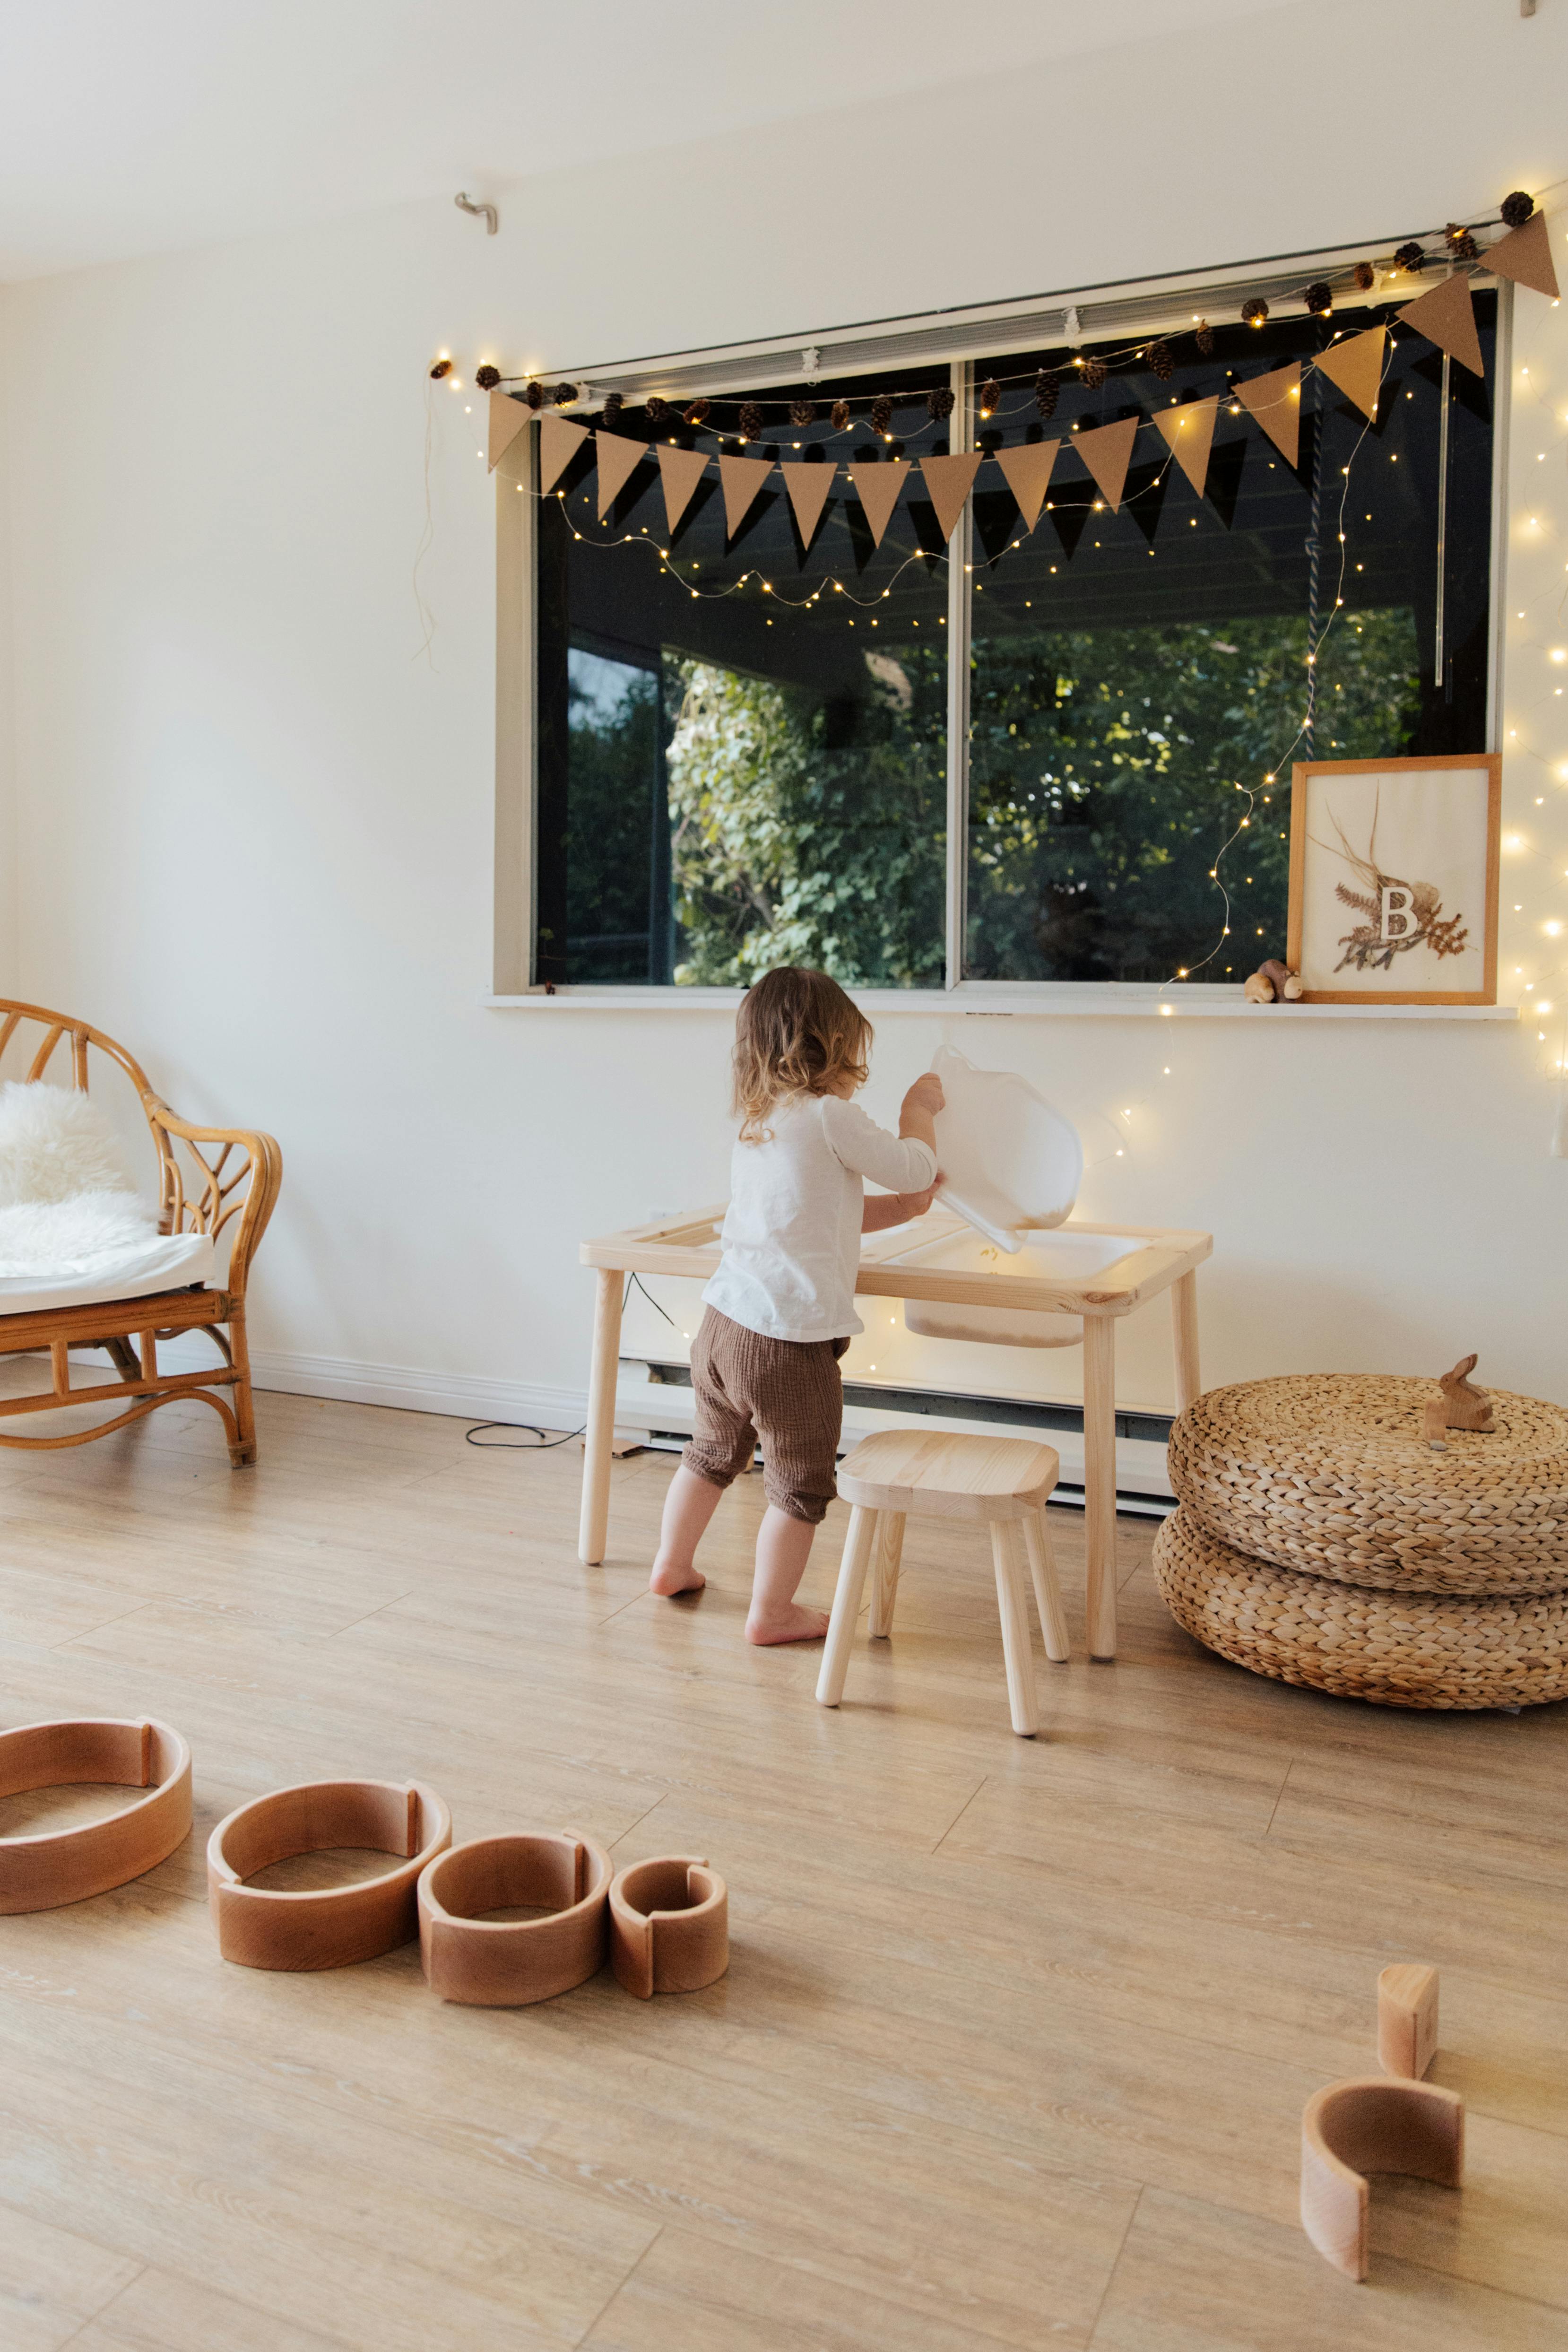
(1041, 999)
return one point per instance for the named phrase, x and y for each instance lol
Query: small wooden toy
(1460, 1406)
(669, 1926)
(1368, 2124)
(1271, 981)
(1407, 2021)
(323, 1927)
(39, 1873)
(507, 1963)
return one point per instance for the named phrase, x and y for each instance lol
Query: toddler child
(780, 1310)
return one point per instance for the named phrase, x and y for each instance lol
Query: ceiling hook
(487, 213)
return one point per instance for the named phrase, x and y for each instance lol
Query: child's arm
(918, 1114)
(886, 1209)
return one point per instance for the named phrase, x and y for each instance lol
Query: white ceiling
(140, 126)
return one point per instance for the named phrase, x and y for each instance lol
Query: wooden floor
(1016, 2038)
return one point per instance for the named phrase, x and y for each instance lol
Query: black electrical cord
(505, 1445)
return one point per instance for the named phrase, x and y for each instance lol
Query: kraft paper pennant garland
(1190, 433)
(948, 481)
(740, 479)
(1525, 256)
(681, 470)
(1027, 472)
(1275, 400)
(1107, 451)
(559, 445)
(1356, 366)
(619, 459)
(508, 418)
(1447, 317)
(808, 487)
(877, 487)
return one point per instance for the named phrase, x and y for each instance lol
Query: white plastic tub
(1043, 1258)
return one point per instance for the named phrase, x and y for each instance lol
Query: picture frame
(1394, 879)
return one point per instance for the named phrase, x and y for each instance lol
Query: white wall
(255, 829)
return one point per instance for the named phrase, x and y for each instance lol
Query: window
(743, 741)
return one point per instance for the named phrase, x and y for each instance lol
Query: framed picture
(1394, 879)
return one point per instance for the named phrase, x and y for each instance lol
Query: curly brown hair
(796, 1033)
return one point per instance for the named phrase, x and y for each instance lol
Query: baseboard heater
(1141, 1485)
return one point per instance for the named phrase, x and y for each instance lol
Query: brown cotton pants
(787, 1392)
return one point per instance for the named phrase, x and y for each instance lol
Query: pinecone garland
(697, 411)
(880, 413)
(802, 412)
(1095, 372)
(1203, 339)
(535, 395)
(487, 377)
(1254, 311)
(939, 403)
(1161, 359)
(841, 415)
(655, 409)
(1047, 384)
(564, 394)
(1317, 298)
(614, 402)
(1409, 258)
(750, 420)
(1365, 276)
(990, 396)
(1461, 243)
(1516, 209)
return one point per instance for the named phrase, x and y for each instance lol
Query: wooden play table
(689, 1247)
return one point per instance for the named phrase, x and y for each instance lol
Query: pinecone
(1047, 384)
(750, 420)
(1161, 359)
(655, 409)
(1203, 339)
(535, 395)
(1095, 372)
(1409, 258)
(1516, 209)
(880, 413)
(1254, 311)
(697, 411)
(990, 396)
(1461, 243)
(614, 402)
(841, 415)
(939, 403)
(564, 394)
(487, 377)
(1317, 298)
(1365, 276)
(442, 367)
(803, 411)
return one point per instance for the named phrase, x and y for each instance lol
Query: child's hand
(915, 1204)
(926, 1095)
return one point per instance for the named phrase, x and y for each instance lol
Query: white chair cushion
(152, 1262)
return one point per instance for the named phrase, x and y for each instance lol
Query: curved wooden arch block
(1407, 2020)
(38, 1873)
(329, 1927)
(505, 1963)
(669, 1926)
(1369, 2123)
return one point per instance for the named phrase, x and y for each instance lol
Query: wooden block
(329, 1927)
(1407, 2021)
(507, 1963)
(38, 1873)
(669, 1926)
(1368, 2124)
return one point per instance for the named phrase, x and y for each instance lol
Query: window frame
(964, 336)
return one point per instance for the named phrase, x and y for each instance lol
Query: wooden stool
(1004, 1481)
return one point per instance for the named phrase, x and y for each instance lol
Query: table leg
(1183, 1331)
(600, 1432)
(1100, 1480)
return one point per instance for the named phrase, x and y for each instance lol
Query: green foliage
(614, 771)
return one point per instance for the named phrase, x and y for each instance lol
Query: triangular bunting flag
(1189, 429)
(1447, 317)
(808, 487)
(1356, 366)
(1107, 451)
(559, 445)
(1026, 470)
(877, 488)
(1525, 256)
(508, 418)
(618, 461)
(681, 470)
(1275, 400)
(740, 479)
(948, 481)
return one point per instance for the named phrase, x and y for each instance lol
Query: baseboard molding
(406, 1388)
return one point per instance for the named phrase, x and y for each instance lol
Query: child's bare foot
(668, 1580)
(791, 1623)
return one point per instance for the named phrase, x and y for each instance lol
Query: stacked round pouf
(1322, 1540)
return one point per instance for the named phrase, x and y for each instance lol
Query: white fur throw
(68, 1203)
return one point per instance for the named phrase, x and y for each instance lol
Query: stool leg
(884, 1572)
(1013, 1605)
(858, 1547)
(1047, 1593)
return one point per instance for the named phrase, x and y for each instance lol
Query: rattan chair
(211, 1181)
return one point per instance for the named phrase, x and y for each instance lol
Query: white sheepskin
(68, 1203)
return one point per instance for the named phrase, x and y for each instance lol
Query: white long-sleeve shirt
(791, 1239)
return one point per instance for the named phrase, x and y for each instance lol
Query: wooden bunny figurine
(1460, 1406)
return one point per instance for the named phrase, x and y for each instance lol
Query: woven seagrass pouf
(1397, 1649)
(1329, 1472)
